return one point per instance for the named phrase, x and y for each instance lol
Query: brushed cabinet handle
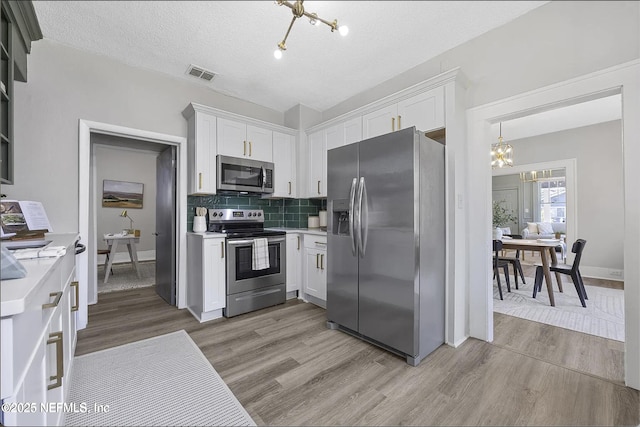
(244, 153)
(55, 302)
(289, 187)
(321, 261)
(318, 187)
(298, 237)
(249, 148)
(393, 123)
(222, 249)
(76, 306)
(56, 338)
(200, 181)
(399, 122)
(317, 260)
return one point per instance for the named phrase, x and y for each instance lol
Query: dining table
(547, 250)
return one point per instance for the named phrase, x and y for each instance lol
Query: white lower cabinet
(206, 277)
(315, 268)
(294, 262)
(38, 345)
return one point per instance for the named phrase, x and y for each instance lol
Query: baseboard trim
(457, 343)
(124, 257)
(602, 273)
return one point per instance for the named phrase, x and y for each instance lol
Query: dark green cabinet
(18, 28)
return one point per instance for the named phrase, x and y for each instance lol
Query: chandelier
(298, 12)
(535, 176)
(501, 153)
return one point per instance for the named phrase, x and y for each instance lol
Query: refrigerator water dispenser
(340, 212)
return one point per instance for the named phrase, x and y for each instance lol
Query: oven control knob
(220, 214)
(259, 213)
(215, 214)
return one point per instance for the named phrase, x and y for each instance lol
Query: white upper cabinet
(380, 121)
(322, 141)
(284, 150)
(335, 136)
(237, 139)
(260, 143)
(201, 154)
(425, 111)
(317, 171)
(353, 130)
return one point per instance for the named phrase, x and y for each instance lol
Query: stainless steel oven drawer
(244, 302)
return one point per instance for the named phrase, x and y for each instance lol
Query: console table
(112, 241)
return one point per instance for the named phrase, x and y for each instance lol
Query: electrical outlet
(616, 273)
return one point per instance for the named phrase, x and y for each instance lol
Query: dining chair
(572, 271)
(515, 262)
(106, 253)
(498, 264)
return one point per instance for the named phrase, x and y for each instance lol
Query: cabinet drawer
(315, 242)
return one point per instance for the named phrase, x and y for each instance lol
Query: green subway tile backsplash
(289, 213)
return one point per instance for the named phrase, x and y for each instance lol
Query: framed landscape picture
(122, 194)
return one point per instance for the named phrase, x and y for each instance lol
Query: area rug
(603, 316)
(125, 277)
(160, 381)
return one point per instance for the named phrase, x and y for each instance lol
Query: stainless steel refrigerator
(386, 242)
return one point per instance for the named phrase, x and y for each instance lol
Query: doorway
(87, 262)
(620, 79)
(149, 258)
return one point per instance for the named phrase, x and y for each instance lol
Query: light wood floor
(287, 368)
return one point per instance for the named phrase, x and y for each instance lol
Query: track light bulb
(343, 30)
(277, 53)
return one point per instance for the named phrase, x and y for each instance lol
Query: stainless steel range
(248, 288)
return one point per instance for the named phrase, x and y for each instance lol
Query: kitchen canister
(199, 224)
(323, 218)
(314, 222)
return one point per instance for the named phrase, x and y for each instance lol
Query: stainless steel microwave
(244, 175)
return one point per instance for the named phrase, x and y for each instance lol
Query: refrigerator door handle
(359, 217)
(352, 201)
(364, 218)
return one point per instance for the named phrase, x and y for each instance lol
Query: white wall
(598, 150)
(65, 85)
(124, 164)
(552, 43)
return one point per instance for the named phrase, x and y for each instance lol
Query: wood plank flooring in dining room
(287, 368)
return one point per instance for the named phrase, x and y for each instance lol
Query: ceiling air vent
(200, 73)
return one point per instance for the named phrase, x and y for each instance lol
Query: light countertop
(15, 293)
(314, 231)
(208, 235)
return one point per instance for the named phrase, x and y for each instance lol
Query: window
(552, 194)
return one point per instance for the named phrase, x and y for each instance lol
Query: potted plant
(501, 217)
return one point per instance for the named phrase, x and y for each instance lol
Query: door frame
(87, 261)
(624, 79)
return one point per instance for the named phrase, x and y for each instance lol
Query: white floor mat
(164, 380)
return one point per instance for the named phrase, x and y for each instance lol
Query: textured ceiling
(236, 39)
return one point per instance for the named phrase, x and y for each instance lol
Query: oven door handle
(250, 242)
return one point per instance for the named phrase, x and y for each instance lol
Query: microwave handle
(263, 175)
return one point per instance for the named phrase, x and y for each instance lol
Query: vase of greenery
(501, 217)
